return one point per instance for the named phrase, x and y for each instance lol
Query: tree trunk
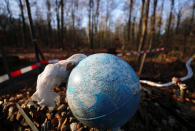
(73, 22)
(62, 23)
(107, 14)
(90, 24)
(48, 4)
(169, 22)
(97, 16)
(9, 10)
(23, 23)
(178, 20)
(58, 23)
(140, 23)
(96, 23)
(160, 21)
(33, 35)
(189, 29)
(74, 11)
(144, 29)
(152, 34)
(73, 14)
(153, 23)
(133, 31)
(129, 20)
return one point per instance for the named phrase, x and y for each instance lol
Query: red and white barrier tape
(26, 69)
(32, 67)
(141, 52)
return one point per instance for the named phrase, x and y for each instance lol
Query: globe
(103, 91)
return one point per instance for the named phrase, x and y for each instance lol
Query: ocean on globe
(103, 91)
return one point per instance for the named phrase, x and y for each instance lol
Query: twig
(181, 86)
(189, 75)
(30, 123)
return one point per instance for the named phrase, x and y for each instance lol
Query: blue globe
(103, 91)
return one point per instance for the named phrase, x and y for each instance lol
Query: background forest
(127, 24)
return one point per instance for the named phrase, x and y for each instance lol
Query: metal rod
(189, 75)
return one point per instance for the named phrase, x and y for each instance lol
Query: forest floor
(160, 108)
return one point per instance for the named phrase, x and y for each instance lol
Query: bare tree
(129, 20)
(74, 5)
(153, 23)
(133, 30)
(97, 12)
(110, 6)
(48, 5)
(23, 22)
(152, 33)
(58, 21)
(96, 18)
(62, 23)
(140, 23)
(144, 28)
(189, 27)
(74, 11)
(160, 20)
(90, 23)
(192, 17)
(168, 27)
(10, 20)
(178, 20)
(33, 34)
(107, 14)
(8, 9)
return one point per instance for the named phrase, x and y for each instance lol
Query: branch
(189, 75)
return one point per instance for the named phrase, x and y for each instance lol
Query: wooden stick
(30, 123)
(142, 64)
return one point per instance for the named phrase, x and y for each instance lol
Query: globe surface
(103, 91)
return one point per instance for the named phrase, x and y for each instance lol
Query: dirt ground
(160, 108)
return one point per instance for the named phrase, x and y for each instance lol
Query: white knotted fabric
(52, 76)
